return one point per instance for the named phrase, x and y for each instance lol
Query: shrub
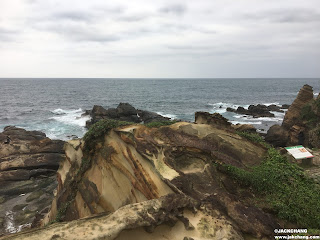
(307, 114)
(98, 130)
(254, 137)
(285, 188)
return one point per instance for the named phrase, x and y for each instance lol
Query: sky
(160, 38)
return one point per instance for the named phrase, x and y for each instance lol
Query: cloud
(132, 35)
(79, 33)
(287, 16)
(73, 15)
(177, 9)
(7, 35)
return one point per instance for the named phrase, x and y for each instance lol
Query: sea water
(55, 106)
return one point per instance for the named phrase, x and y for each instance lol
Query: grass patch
(159, 124)
(98, 130)
(254, 137)
(285, 188)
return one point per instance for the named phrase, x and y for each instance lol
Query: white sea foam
(168, 115)
(221, 107)
(60, 111)
(277, 118)
(273, 103)
(70, 117)
(246, 122)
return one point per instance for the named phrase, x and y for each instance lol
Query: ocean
(55, 106)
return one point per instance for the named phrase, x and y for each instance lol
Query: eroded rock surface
(28, 165)
(139, 166)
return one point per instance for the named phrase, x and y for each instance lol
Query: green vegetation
(98, 130)
(61, 212)
(307, 114)
(254, 137)
(159, 124)
(284, 187)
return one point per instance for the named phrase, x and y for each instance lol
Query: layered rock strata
(28, 164)
(139, 166)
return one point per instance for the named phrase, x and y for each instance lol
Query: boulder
(211, 119)
(277, 136)
(259, 110)
(125, 109)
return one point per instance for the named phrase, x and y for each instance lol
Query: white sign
(299, 152)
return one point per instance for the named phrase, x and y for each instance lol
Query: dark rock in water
(211, 119)
(148, 117)
(124, 112)
(259, 111)
(254, 110)
(274, 108)
(285, 106)
(277, 136)
(28, 164)
(125, 109)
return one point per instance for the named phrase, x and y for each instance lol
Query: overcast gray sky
(163, 38)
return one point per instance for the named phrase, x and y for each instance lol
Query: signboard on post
(299, 152)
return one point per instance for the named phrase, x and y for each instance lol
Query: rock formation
(302, 118)
(124, 112)
(169, 182)
(28, 165)
(293, 115)
(215, 119)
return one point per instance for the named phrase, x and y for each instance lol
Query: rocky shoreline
(128, 178)
(259, 110)
(28, 166)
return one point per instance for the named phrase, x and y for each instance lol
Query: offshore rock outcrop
(28, 165)
(169, 182)
(124, 112)
(300, 124)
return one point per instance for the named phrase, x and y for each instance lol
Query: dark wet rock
(274, 108)
(254, 110)
(285, 106)
(125, 109)
(124, 112)
(28, 165)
